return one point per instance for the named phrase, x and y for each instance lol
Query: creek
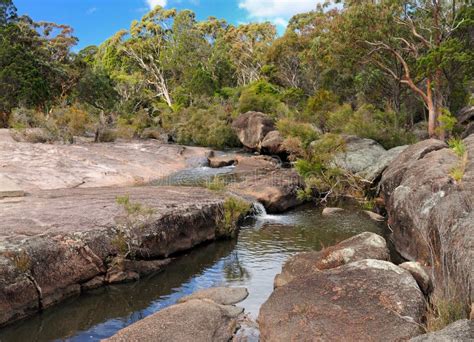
(252, 260)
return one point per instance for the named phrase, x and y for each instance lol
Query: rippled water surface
(251, 261)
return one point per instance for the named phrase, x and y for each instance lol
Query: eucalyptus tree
(420, 38)
(248, 45)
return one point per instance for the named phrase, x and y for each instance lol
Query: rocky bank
(55, 244)
(348, 292)
(430, 214)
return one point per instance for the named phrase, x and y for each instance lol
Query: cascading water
(259, 210)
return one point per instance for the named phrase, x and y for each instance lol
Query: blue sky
(96, 20)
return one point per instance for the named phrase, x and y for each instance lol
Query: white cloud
(153, 3)
(91, 10)
(277, 8)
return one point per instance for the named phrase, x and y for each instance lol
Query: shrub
(234, 209)
(205, 127)
(443, 311)
(21, 118)
(294, 147)
(62, 123)
(447, 122)
(304, 131)
(129, 231)
(322, 177)
(263, 97)
(459, 148)
(369, 122)
(319, 106)
(216, 184)
(70, 121)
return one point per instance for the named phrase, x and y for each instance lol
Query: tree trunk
(431, 120)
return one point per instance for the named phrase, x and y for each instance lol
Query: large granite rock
(431, 215)
(252, 127)
(363, 246)
(465, 124)
(194, 320)
(374, 171)
(206, 315)
(272, 144)
(366, 300)
(366, 158)
(68, 236)
(458, 331)
(421, 276)
(276, 190)
(359, 154)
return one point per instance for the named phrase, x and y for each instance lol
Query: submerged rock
(363, 246)
(330, 211)
(458, 331)
(374, 216)
(123, 270)
(366, 300)
(222, 161)
(219, 295)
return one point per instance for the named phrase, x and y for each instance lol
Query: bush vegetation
(129, 230)
(234, 209)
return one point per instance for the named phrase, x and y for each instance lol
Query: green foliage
(96, 88)
(262, 97)
(205, 126)
(319, 106)
(129, 230)
(305, 132)
(234, 209)
(216, 184)
(459, 148)
(62, 123)
(370, 122)
(334, 69)
(446, 121)
(317, 168)
(444, 311)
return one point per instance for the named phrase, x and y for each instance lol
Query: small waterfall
(259, 210)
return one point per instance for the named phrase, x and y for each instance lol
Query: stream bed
(252, 260)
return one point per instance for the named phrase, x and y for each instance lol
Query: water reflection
(252, 261)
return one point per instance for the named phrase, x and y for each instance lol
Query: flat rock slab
(8, 188)
(367, 300)
(195, 320)
(219, 295)
(66, 211)
(121, 163)
(53, 242)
